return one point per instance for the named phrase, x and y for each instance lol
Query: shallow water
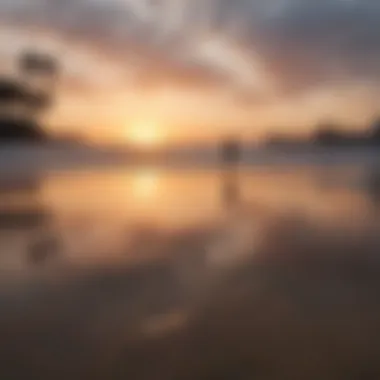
(269, 271)
(94, 215)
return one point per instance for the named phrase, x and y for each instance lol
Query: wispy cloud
(246, 44)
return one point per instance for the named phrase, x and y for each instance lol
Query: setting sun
(144, 134)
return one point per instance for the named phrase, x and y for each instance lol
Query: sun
(144, 134)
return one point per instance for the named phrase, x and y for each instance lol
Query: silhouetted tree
(37, 67)
(23, 99)
(375, 131)
(327, 134)
(10, 91)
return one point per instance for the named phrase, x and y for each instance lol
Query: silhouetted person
(230, 152)
(230, 155)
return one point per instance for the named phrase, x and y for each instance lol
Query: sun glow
(144, 134)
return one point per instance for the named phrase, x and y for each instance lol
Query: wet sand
(277, 314)
(172, 275)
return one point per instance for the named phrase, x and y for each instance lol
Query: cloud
(161, 40)
(326, 41)
(295, 44)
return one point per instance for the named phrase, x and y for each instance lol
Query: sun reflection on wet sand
(145, 184)
(98, 215)
(192, 274)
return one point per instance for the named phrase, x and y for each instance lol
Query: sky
(163, 71)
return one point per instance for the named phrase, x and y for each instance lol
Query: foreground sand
(303, 306)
